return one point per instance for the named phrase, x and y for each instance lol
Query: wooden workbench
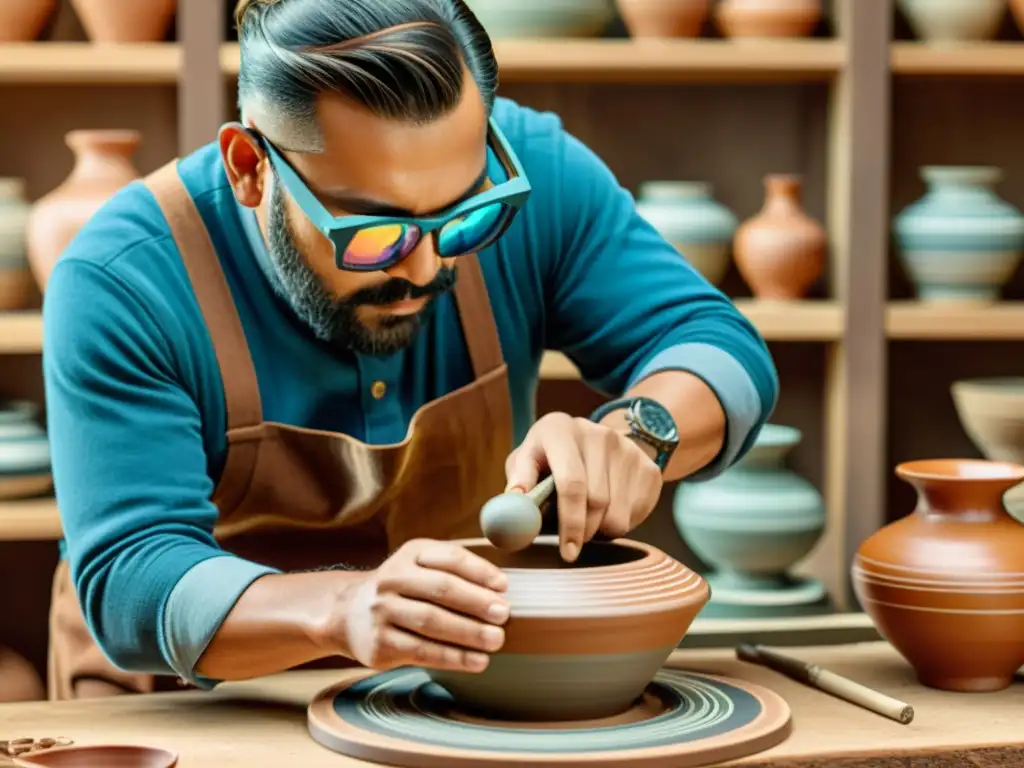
(262, 723)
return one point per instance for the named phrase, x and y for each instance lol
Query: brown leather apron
(298, 499)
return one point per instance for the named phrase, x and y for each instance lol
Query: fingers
(402, 648)
(435, 623)
(458, 561)
(523, 466)
(598, 449)
(449, 591)
(565, 460)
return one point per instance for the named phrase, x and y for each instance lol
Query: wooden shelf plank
(625, 60)
(992, 59)
(30, 520)
(21, 332)
(79, 63)
(955, 322)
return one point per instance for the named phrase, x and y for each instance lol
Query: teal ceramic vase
(960, 241)
(750, 525)
(686, 214)
(543, 18)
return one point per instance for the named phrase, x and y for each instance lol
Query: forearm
(697, 412)
(279, 622)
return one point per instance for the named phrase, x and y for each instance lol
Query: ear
(243, 162)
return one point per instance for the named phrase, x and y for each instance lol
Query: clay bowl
(584, 639)
(100, 757)
(945, 584)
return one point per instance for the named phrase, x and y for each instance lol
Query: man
(284, 373)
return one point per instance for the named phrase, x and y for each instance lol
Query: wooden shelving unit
(850, 80)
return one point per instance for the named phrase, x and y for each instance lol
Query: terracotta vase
(103, 165)
(768, 18)
(1017, 8)
(117, 21)
(17, 288)
(584, 639)
(945, 585)
(19, 680)
(780, 252)
(664, 18)
(21, 21)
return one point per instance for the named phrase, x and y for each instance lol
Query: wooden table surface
(262, 723)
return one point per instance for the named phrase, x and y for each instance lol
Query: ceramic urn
(584, 639)
(945, 584)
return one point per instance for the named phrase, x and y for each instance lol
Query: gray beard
(334, 320)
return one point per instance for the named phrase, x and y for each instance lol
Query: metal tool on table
(513, 520)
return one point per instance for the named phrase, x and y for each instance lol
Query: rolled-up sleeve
(623, 305)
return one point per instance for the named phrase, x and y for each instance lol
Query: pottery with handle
(118, 21)
(763, 19)
(780, 252)
(664, 18)
(991, 412)
(543, 18)
(21, 21)
(751, 524)
(686, 214)
(102, 166)
(584, 639)
(953, 21)
(945, 584)
(960, 241)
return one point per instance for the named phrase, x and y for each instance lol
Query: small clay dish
(584, 639)
(121, 756)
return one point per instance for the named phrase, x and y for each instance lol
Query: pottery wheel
(684, 720)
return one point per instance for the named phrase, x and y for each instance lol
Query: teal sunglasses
(373, 243)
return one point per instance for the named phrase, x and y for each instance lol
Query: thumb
(522, 469)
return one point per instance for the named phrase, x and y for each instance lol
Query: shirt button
(378, 390)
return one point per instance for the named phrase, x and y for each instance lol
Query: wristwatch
(649, 423)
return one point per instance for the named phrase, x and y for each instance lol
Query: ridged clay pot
(780, 252)
(960, 241)
(21, 21)
(543, 18)
(953, 21)
(991, 412)
(584, 639)
(945, 585)
(664, 18)
(759, 19)
(103, 165)
(751, 524)
(697, 225)
(118, 21)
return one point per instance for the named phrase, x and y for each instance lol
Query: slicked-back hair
(401, 59)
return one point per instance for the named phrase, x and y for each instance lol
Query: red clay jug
(103, 165)
(945, 585)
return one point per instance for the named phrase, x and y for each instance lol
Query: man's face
(372, 166)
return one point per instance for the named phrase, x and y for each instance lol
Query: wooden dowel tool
(830, 682)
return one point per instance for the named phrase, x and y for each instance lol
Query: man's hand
(431, 604)
(604, 481)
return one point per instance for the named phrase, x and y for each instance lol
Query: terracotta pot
(945, 584)
(780, 252)
(768, 18)
(585, 639)
(664, 18)
(102, 166)
(117, 21)
(21, 21)
(19, 680)
(1017, 7)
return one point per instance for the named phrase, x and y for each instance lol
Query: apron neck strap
(477, 317)
(241, 387)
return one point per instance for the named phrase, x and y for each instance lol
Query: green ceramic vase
(750, 525)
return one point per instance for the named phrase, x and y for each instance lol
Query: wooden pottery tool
(513, 520)
(830, 682)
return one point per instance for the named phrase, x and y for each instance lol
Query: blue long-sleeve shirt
(135, 400)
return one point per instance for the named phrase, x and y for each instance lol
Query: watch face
(656, 420)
